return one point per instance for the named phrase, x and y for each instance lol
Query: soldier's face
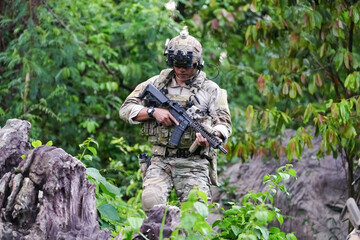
(184, 74)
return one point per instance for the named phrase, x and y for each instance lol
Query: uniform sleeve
(219, 110)
(132, 104)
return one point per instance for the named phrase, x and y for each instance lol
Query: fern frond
(30, 117)
(15, 82)
(43, 108)
(58, 92)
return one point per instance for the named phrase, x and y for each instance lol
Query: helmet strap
(190, 81)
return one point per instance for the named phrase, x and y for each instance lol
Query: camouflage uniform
(177, 167)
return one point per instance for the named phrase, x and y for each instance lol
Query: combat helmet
(184, 51)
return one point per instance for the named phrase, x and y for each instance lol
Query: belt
(181, 153)
(173, 152)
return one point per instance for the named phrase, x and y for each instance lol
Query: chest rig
(159, 134)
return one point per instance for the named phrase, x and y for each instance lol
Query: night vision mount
(180, 59)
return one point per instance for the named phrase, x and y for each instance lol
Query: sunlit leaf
(36, 143)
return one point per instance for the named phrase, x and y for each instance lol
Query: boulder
(152, 225)
(46, 195)
(317, 196)
(14, 142)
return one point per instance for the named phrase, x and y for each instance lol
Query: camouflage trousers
(182, 174)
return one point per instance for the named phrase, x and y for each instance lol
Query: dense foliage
(66, 66)
(312, 76)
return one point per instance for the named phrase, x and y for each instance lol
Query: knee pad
(152, 196)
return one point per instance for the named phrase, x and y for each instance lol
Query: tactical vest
(160, 135)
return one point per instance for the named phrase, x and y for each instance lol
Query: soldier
(185, 83)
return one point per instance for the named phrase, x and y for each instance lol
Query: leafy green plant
(250, 220)
(114, 213)
(37, 143)
(86, 147)
(125, 171)
(193, 218)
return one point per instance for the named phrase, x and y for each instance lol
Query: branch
(351, 36)
(328, 70)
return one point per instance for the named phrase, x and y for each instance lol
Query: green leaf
(188, 221)
(36, 143)
(293, 91)
(264, 232)
(286, 117)
(135, 222)
(90, 125)
(350, 131)
(307, 113)
(282, 188)
(254, 33)
(236, 230)
(245, 236)
(322, 50)
(216, 223)
(280, 218)
(338, 60)
(350, 82)
(311, 20)
(81, 66)
(312, 85)
(344, 111)
(248, 33)
(292, 172)
(95, 174)
(93, 150)
(109, 188)
(202, 196)
(202, 209)
(250, 114)
(109, 211)
(88, 157)
(266, 178)
(261, 215)
(318, 19)
(291, 236)
(274, 230)
(355, 15)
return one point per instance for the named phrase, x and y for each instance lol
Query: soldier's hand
(164, 117)
(201, 141)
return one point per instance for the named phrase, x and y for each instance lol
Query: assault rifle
(351, 212)
(157, 99)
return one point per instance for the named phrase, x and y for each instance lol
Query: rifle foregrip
(222, 149)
